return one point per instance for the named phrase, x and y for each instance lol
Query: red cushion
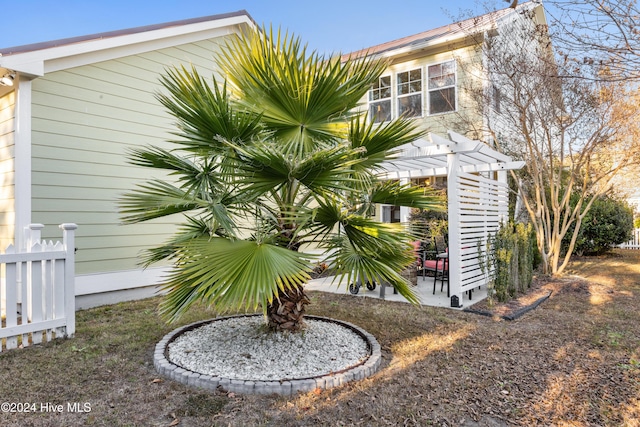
(432, 264)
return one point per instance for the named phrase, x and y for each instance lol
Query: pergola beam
(423, 158)
(415, 173)
(492, 167)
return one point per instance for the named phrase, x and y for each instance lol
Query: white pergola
(477, 193)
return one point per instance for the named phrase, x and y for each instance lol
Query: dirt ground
(574, 360)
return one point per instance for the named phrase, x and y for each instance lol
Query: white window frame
(372, 102)
(496, 98)
(430, 90)
(419, 93)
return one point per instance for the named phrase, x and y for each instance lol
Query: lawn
(572, 361)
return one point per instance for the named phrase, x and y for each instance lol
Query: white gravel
(239, 348)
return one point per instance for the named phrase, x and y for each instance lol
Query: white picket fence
(634, 243)
(37, 289)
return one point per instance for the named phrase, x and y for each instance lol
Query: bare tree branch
(575, 123)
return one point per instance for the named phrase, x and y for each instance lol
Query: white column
(404, 210)
(22, 152)
(503, 191)
(455, 256)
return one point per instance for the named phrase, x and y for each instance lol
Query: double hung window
(442, 87)
(410, 93)
(380, 100)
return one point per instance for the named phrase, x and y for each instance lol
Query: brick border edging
(360, 371)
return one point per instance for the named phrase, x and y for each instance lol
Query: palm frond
(231, 274)
(155, 199)
(355, 264)
(280, 152)
(326, 170)
(193, 228)
(397, 194)
(380, 140)
(197, 176)
(204, 112)
(374, 237)
(264, 167)
(303, 97)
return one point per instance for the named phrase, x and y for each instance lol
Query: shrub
(512, 252)
(608, 223)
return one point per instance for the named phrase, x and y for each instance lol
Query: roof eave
(425, 45)
(38, 60)
(495, 20)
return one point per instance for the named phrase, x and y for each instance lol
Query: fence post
(33, 234)
(68, 235)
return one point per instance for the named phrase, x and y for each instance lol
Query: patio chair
(437, 262)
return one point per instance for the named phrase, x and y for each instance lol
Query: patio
(424, 290)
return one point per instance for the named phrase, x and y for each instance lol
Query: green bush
(608, 223)
(512, 252)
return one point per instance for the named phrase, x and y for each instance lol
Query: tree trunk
(286, 312)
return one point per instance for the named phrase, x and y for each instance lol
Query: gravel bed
(240, 348)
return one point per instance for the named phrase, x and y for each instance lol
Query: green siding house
(70, 110)
(69, 113)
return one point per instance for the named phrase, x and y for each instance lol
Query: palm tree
(273, 160)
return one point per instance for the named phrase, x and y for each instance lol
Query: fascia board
(33, 68)
(133, 48)
(429, 44)
(37, 63)
(480, 30)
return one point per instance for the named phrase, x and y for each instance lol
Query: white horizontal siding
(84, 121)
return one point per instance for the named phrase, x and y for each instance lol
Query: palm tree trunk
(286, 312)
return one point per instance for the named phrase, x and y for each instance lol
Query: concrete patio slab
(424, 291)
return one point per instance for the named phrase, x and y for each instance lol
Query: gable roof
(445, 34)
(35, 59)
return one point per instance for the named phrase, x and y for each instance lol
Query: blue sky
(326, 25)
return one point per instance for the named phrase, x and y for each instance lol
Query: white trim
(380, 100)
(405, 50)
(453, 209)
(448, 40)
(428, 91)
(408, 70)
(493, 167)
(39, 62)
(405, 211)
(130, 49)
(97, 283)
(394, 99)
(22, 153)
